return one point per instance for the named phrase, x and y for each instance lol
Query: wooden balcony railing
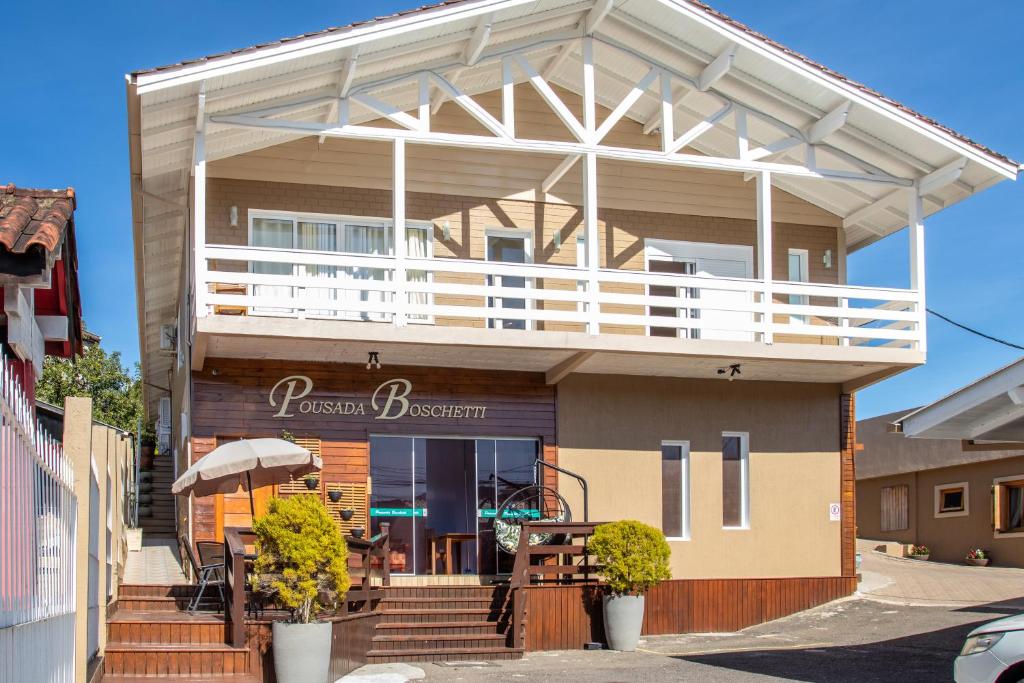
(367, 550)
(529, 296)
(235, 557)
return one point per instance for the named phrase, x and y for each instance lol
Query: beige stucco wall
(948, 537)
(610, 431)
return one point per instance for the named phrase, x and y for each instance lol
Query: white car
(993, 653)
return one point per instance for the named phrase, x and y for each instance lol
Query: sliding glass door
(442, 494)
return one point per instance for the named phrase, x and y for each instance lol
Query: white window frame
(513, 233)
(805, 276)
(684, 447)
(744, 438)
(953, 513)
(339, 221)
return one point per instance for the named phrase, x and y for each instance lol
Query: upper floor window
(951, 500)
(340, 234)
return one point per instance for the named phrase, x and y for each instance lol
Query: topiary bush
(302, 559)
(632, 556)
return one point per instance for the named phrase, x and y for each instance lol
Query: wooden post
(199, 218)
(915, 228)
(385, 528)
(401, 299)
(764, 251)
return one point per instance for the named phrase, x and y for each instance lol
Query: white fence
(529, 296)
(38, 512)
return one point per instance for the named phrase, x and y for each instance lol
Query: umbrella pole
(252, 505)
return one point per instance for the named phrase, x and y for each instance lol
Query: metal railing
(38, 518)
(467, 292)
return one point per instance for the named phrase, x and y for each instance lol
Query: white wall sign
(389, 401)
(835, 512)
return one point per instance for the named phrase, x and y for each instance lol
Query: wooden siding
(565, 617)
(234, 403)
(477, 173)
(848, 486)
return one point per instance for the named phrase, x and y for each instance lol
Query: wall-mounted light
(233, 216)
(826, 260)
(446, 230)
(373, 360)
(732, 371)
(557, 240)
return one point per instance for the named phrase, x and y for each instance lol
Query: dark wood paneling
(351, 639)
(848, 491)
(565, 617)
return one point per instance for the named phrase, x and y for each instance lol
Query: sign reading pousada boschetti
(389, 401)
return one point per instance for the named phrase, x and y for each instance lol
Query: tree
(116, 395)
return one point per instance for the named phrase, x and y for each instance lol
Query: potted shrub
(147, 451)
(919, 552)
(977, 557)
(633, 557)
(302, 564)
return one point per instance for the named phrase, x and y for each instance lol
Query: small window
(735, 481)
(895, 508)
(1008, 505)
(951, 500)
(675, 489)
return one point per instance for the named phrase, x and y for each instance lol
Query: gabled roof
(304, 76)
(988, 409)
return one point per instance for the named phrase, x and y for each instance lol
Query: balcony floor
(554, 353)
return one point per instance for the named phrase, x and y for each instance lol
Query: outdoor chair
(209, 570)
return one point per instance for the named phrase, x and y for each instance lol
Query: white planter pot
(302, 652)
(623, 620)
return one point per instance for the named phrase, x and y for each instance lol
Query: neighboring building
(606, 214)
(39, 278)
(949, 475)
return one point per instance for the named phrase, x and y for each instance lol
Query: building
(624, 233)
(950, 475)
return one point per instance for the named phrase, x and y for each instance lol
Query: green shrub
(633, 556)
(302, 558)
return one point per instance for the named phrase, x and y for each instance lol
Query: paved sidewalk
(156, 563)
(915, 582)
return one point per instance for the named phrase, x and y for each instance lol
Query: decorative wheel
(530, 504)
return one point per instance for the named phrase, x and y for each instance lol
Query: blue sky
(64, 124)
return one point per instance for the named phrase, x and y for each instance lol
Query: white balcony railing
(312, 284)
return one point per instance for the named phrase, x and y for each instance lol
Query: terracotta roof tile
(30, 217)
(695, 3)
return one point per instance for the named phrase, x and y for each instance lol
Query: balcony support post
(764, 251)
(590, 231)
(398, 214)
(915, 228)
(199, 218)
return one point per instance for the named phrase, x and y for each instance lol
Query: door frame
(513, 233)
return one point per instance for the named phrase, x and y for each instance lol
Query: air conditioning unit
(169, 338)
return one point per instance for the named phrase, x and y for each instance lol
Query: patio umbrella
(247, 463)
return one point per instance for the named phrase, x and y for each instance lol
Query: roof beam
(829, 123)
(560, 170)
(628, 101)
(478, 41)
(941, 177)
(596, 15)
(886, 202)
(999, 418)
(714, 71)
(566, 367)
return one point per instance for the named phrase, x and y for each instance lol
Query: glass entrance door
(441, 495)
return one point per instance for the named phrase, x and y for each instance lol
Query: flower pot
(302, 652)
(623, 619)
(312, 483)
(145, 487)
(978, 562)
(145, 499)
(145, 477)
(335, 496)
(146, 462)
(145, 511)
(358, 532)
(347, 515)
(919, 557)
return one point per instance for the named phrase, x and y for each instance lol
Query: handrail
(522, 568)
(234, 582)
(583, 483)
(366, 549)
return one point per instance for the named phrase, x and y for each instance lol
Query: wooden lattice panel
(353, 497)
(298, 486)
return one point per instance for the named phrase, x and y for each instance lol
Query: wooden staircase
(443, 623)
(161, 522)
(151, 636)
